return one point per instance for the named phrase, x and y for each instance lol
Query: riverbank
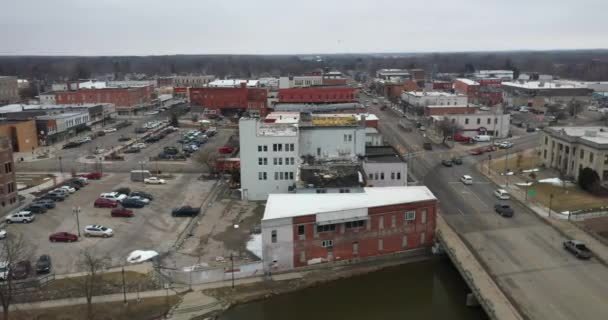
(310, 277)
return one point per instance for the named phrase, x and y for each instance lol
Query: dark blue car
(132, 203)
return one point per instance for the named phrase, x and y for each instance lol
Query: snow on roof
(593, 134)
(285, 205)
(468, 81)
(546, 84)
(432, 94)
(26, 107)
(232, 83)
(92, 85)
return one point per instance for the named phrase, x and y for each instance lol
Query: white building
(427, 98)
(46, 98)
(192, 81)
(494, 74)
(384, 167)
(132, 83)
(300, 81)
(570, 149)
(480, 123)
(541, 93)
(373, 137)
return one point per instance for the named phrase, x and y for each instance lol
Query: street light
(76, 210)
(550, 202)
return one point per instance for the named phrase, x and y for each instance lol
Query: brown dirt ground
(598, 226)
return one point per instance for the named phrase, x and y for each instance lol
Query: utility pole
(124, 286)
(232, 267)
(550, 202)
(76, 210)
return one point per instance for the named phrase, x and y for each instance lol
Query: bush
(588, 179)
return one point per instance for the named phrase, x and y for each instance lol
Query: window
(345, 138)
(392, 176)
(545, 154)
(381, 222)
(292, 147)
(466, 121)
(376, 176)
(355, 224)
(478, 121)
(393, 221)
(350, 137)
(276, 176)
(291, 176)
(371, 175)
(11, 187)
(260, 175)
(344, 190)
(327, 244)
(265, 148)
(582, 154)
(410, 216)
(301, 230)
(380, 244)
(590, 156)
(259, 148)
(398, 175)
(321, 191)
(280, 161)
(422, 237)
(423, 216)
(280, 175)
(273, 236)
(265, 176)
(260, 161)
(495, 120)
(318, 151)
(326, 228)
(489, 121)
(404, 241)
(355, 247)
(286, 147)
(275, 147)
(8, 167)
(606, 159)
(381, 175)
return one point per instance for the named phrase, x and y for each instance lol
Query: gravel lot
(152, 228)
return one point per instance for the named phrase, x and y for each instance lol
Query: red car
(461, 138)
(490, 148)
(122, 212)
(22, 270)
(477, 152)
(63, 237)
(92, 175)
(225, 150)
(105, 203)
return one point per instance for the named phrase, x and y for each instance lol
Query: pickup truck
(578, 249)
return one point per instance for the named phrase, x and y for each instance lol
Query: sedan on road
(578, 248)
(105, 203)
(502, 194)
(185, 211)
(504, 210)
(122, 212)
(154, 180)
(63, 237)
(446, 163)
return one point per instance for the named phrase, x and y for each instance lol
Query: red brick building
(490, 82)
(318, 95)
(445, 109)
(442, 85)
(126, 100)
(307, 228)
(468, 88)
(8, 185)
(229, 100)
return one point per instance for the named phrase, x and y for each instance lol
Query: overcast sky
(152, 27)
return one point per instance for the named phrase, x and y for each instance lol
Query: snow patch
(554, 181)
(530, 170)
(141, 256)
(255, 245)
(523, 184)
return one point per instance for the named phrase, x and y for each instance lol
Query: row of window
(277, 176)
(567, 151)
(10, 201)
(10, 187)
(348, 137)
(380, 176)
(319, 96)
(8, 167)
(489, 121)
(277, 161)
(277, 147)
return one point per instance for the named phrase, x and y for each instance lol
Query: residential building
(570, 149)
(229, 100)
(21, 134)
(438, 110)
(506, 75)
(8, 182)
(479, 123)
(318, 95)
(538, 94)
(384, 167)
(467, 87)
(192, 81)
(302, 229)
(9, 90)
(126, 100)
(422, 99)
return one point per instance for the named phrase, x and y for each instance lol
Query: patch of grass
(566, 199)
(145, 309)
(517, 162)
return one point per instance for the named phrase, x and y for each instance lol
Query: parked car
(68, 188)
(142, 194)
(113, 196)
(53, 196)
(109, 130)
(35, 208)
(142, 199)
(461, 138)
(476, 152)
(446, 163)
(502, 194)
(225, 150)
(86, 139)
(489, 148)
(578, 248)
(139, 145)
(105, 203)
(132, 150)
(76, 183)
(123, 138)
(151, 139)
(48, 203)
(71, 144)
(61, 191)
(503, 210)
(185, 211)
(170, 150)
(96, 230)
(505, 145)
(457, 161)
(63, 237)
(92, 175)
(124, 190)
(21, 216)
(3, 234)
(121, 212)
(43, 265)
(21, 270)
(132, 203)
(466, 179)
(154, 180)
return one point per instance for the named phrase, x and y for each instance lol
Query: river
(431, 289)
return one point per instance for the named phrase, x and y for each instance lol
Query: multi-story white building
(541, 93)
(480, 123)
(422, 99)
(192, 81)
(47, 98)
(570, 149)
(384, 167)
(300, 81)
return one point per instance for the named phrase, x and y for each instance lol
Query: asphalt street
(523, 254)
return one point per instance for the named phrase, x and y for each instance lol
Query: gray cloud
(147, 27)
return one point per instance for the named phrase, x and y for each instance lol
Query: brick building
(308, 228)
(227, 100)
(442, 85)
(8, 186)
(126, 100)
(21, 134)
(468, 88)
(318, 95)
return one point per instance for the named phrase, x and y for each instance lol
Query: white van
(21, 216)
(482, 138)
(466, 179)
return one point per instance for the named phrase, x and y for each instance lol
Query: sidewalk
(557, 220)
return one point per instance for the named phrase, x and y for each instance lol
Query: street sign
(531, 193)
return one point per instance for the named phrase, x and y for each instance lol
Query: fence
(201, 275)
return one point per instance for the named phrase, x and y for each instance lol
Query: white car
(502, 194)
(68, 189)
(96, 230)
(21, 216)
(62, 191)
(113, 196)
(139, 145)
(523, 109)
(144, 200)
(2, 233)
(109, 130)
(592, 108)
(466, 179)
(484, 108)
(154, 180)
(151, 113)
(86, 139)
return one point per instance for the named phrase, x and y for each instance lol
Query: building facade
(538, 94)
(571, 149)
(219, 100)
(448, 109)
(9, 90)
(300, 81)
(422, 99)
(192, 81)
(305, 229)
(481, 123)
(384, 167)
(125, 100)
(318, 95)
(467, 87)
(20, 133)
(8, 185)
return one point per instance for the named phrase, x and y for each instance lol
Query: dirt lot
(152, 228)
(599, 226)
(572, 198)
(520, 161)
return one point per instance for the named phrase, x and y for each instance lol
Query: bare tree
(91, 283)
(208, 159)
(574, 107)
(448, 129)
(557, 111)
(12, 251)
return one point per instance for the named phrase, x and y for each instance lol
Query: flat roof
(286, 205)
(59, 115)
(450, 106)
(597, 135)
(386, 154)
(545, 85)
(339, 174)
(433, 94)
(468, 81)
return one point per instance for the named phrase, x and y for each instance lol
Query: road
(523, 254)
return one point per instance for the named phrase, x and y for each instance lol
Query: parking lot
(152, 227)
